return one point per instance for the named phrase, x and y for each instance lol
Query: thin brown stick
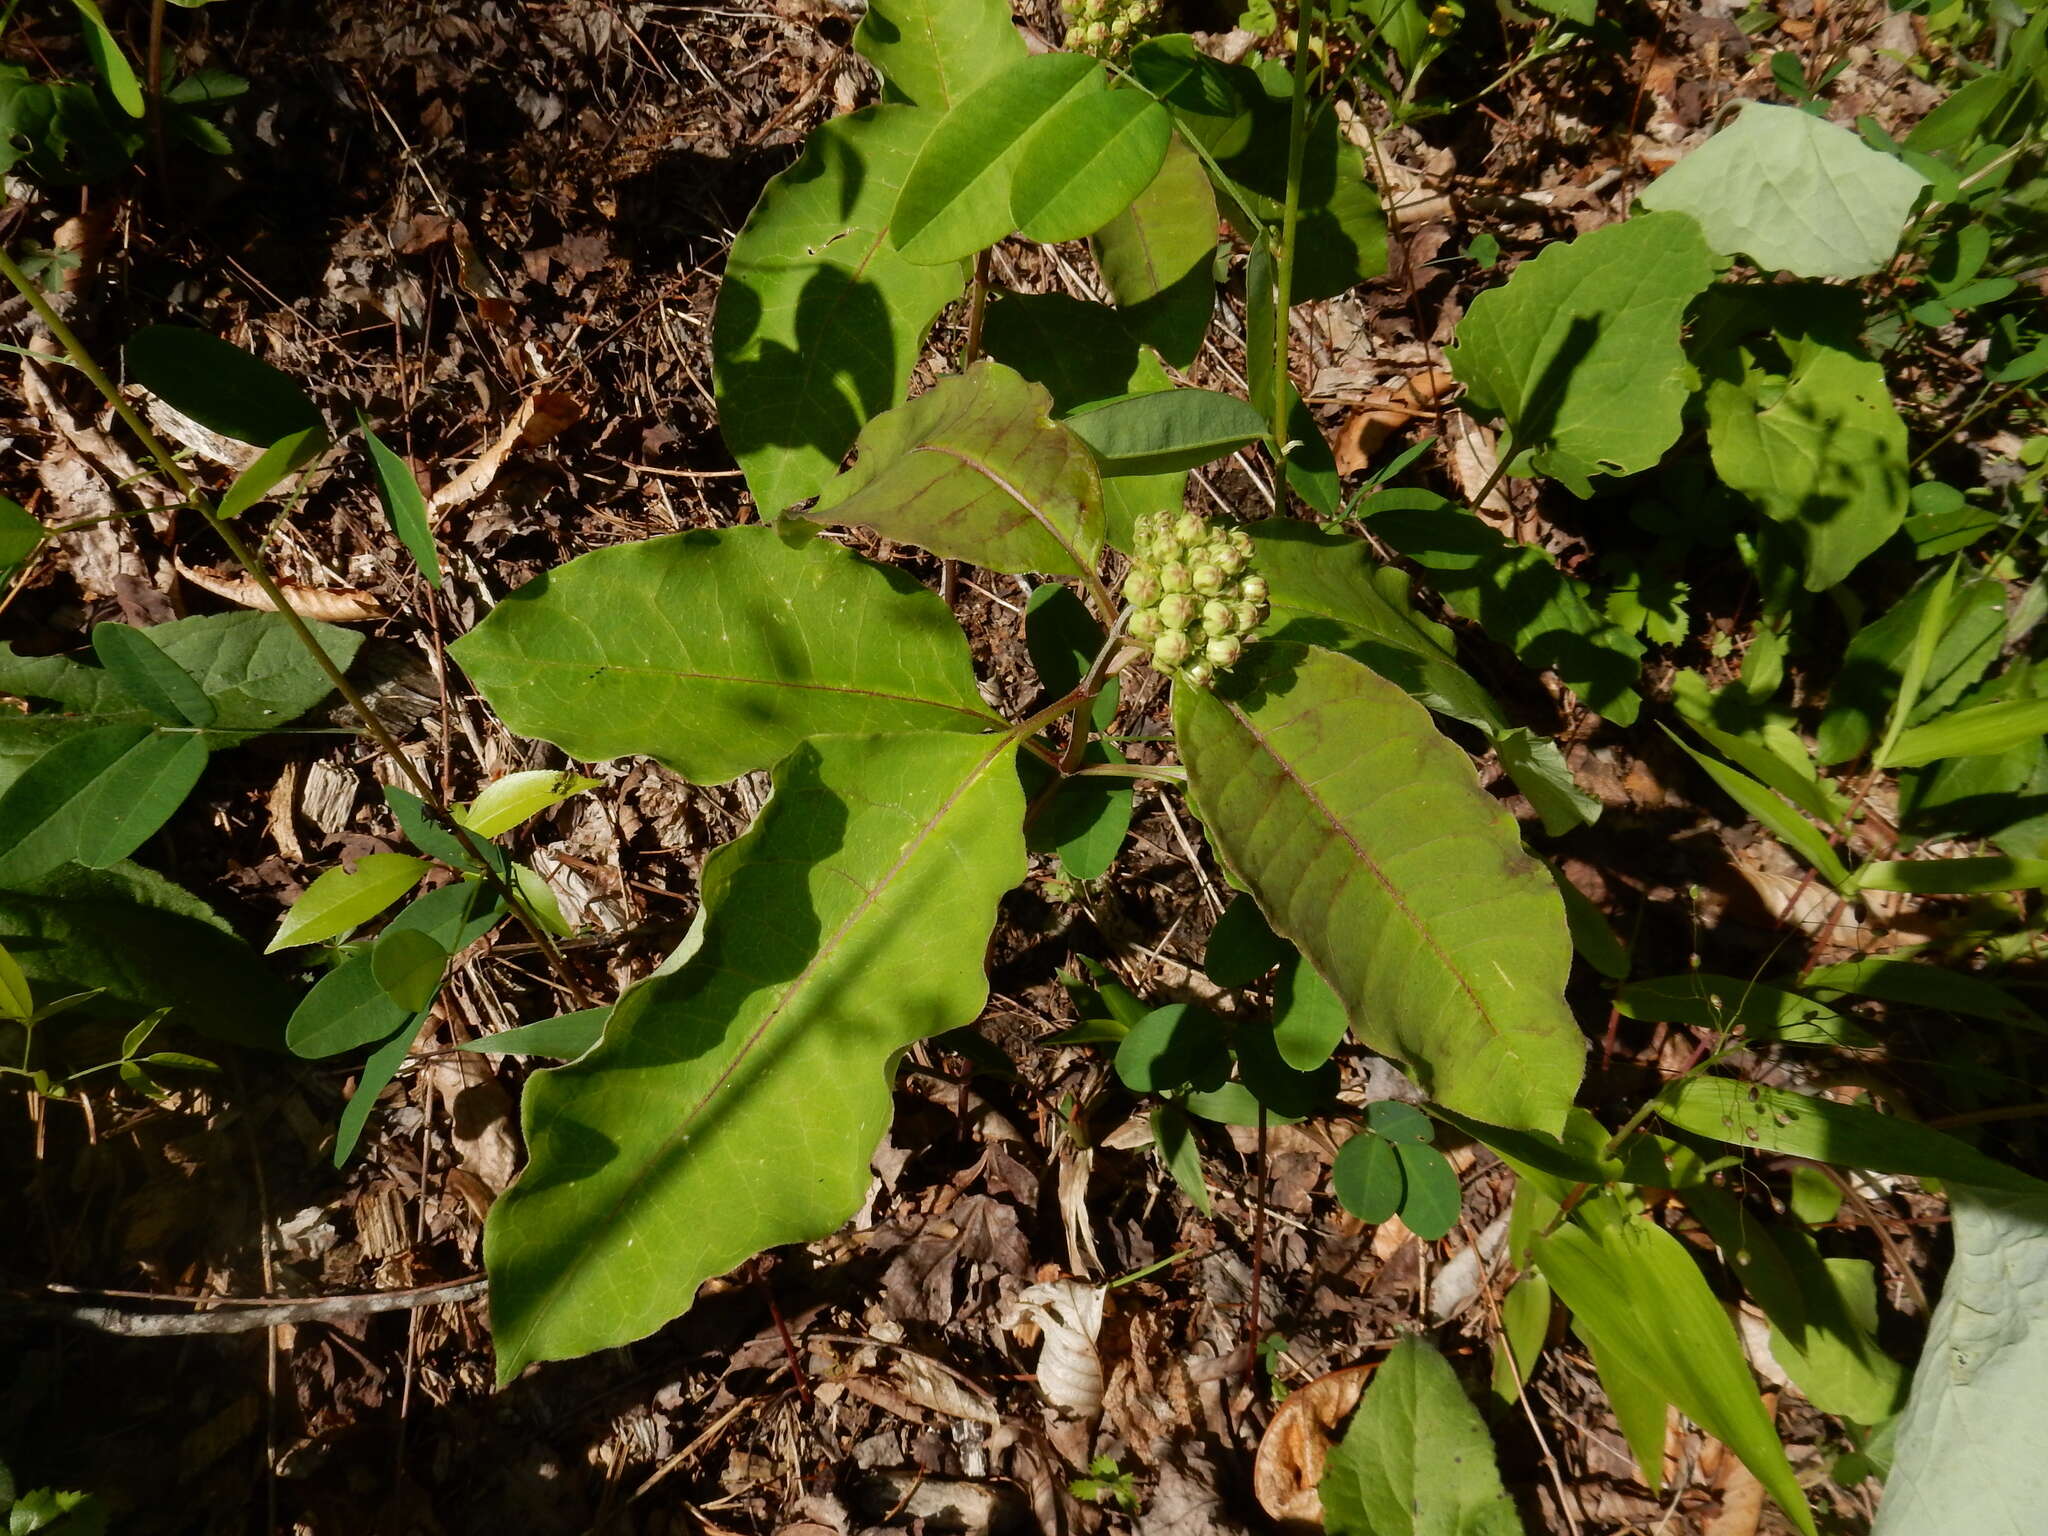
(237, 1316)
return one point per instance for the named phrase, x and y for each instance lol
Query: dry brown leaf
(1069, 1315)
(479, 1116)
(541, 416)
(1377, 418)
(1474, 461)
(1289, 1467)
(330, 605)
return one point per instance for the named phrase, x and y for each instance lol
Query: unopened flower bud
(1198, 673)
(1218, 617)
(1173, 576)
(1190, 530)
(1223, 650)
(1206, 579)
(1171, 648)
(1227, 559)
(1247, 616)
(1177, 610)
(1252, 588)
(1141, 587)
(1144, 625)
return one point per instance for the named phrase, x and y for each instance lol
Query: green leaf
(405, 506)
(1845, 1135)
(1636, 1294)
(407, 965)
(976, 469)
(1524, 1325)
(1368, 1179)
(1640, 1408)
(1784, 823)
(956, 198)
(107, 58)
(1940, 877)
(142, 944)
(1792, 192)
(95, 798)
(1370, 845)
(1539, 770)
(21, 535)
(663, 1157)
(1833, 1355)
(1166, 430)
(155, 681)
(1798, 782)
(1399, 1122)
(1811, 435)
(1416, 1460)
(1926, 986)
(385, 1063)
(719, 651)
(348, 1009)
(272, 465)
(563, 1038)
(1173, 1049)
(16, 1000)
(519, 797)
(1085, 162)
(219, 385)
(1431, 1204)
(1155, 257)
(1593, 937)
(931, 53)
(1580, 349)
(1978, 732)
(1728, 1003)
(1517, 595)
(820, 323)
(342, 899)
(1173, 1133)
(1242, 947)
(1873, 667)
(1308, 1018)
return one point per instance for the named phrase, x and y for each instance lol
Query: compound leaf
(820, 322)
(1792, 192)
(1368, 842)
(976, 469)
(850, 921)
(719, 651)
(1580, 351)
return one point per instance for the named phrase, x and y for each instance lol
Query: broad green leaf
(956, 198)
(143, 944)
(1517, 594)
(1287, 1092)
(1308, 1018)
(21, 535)
(1417, 1460)
(95, 798)
(1173, 1133)
(931, 53)
(1785, 823)
(976, 469)
(1937, 877)
(342, 899)
(820, 323)
(1833, 1356)
(219, 385)
(1580, 351)
(1085, 162)
(1936, 987)
(1370, 845)
(1242, 946)
(1729, 1003)
(1524, 1325)
(1368, 1179)
(384, 1065)
(272, 465)
(1968, 1445)
(1432, 1199)
(407, 965)
(16, 1001)
(719, 651)
(1165, 430)
(663, 1157)
(563, 1038)
(1792, 192)
(1399, 1122)
(1155, 257)
(1979, 732)
(107, 58)
(1173, 1049)
(139, 667)
(1846, 1135)
(519, 797)
(405, 507)
(347, 1008)
(1820, 448)
(1636, 1294)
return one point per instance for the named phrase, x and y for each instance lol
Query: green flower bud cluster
(1194, 598)
(1109, 28)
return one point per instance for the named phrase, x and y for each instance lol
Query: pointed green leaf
(1785, 823)
(1978, 732)
(95, 798)
(347, 1009)
(1937, 877)
(931, 53)
(1155, 257)
(107, 57)
(405, 506)
(1642, 1411)
(518, 797)
(1580, 349)
(956, 198)
(1792, 192)
(16, 1001)
(1368, 842)
(1524, 1325)
(720, 651)
(385, 1063)
(820, 323)
(1165, 430)
(1368, 1179)
(155, 681)
(1086, 161)
(272, 465)
(21, 535)
(663, 1157)
(1416, 1460)
(342, 899)
(219, 385)
(1709, 1001)
(976, 469)
(1844, 1135)
(1173, 1133)
(408, 965)
(1636, 1294)
(563, 1038)
(1935, 987)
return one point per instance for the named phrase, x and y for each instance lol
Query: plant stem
(187, 487)
(1290, 218)
(977, 307)
(154, 103)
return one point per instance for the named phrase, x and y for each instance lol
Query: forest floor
(443, 213)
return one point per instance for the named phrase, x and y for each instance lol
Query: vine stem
(187, 487)
(1290, 218)
(977, 307)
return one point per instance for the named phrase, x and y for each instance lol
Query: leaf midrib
(536, 662)
(988, 472)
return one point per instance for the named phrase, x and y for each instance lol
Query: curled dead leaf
(1292, 1452)
(541, 416)
(330, 605)
(1068, 1313)
(1373, 420)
